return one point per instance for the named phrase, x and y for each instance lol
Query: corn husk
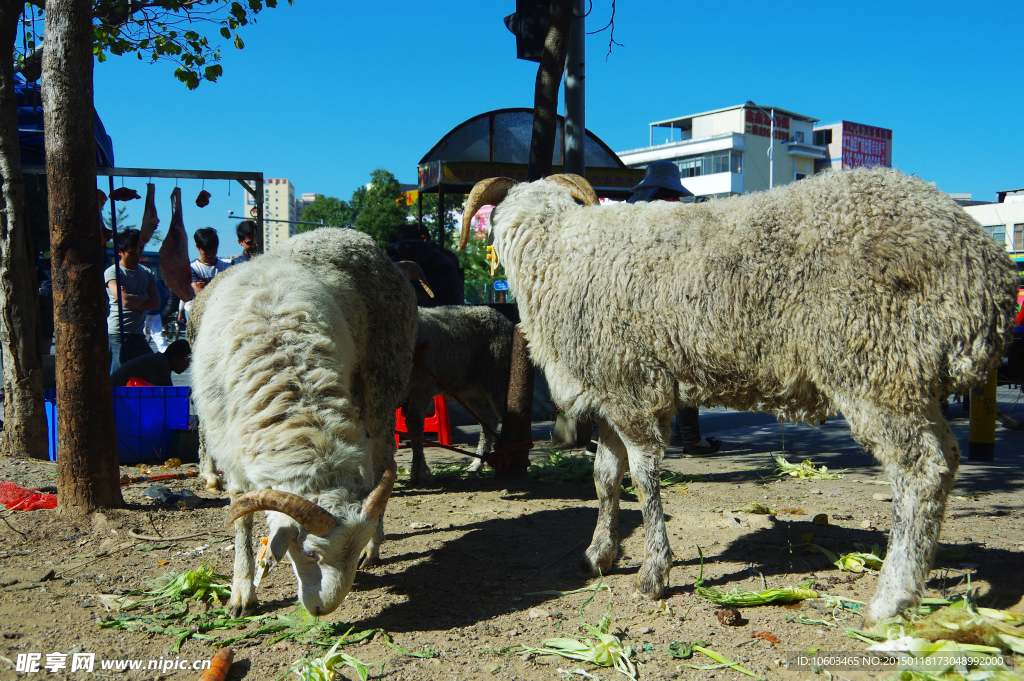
(871, 560)
(323, 668)
(960, 627)
(755, 507)
(861, 560)
(722, 661)
(562, 468)
(805, 470)
(600, 648)
(201, 584)
(740, 599)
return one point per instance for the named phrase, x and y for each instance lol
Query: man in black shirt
(155, 368)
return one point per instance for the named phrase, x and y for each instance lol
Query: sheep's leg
(420, 472)
(207, 467)
(486, 442)
(609, 465)
(645, 471)
(371, 554)
(921, 456)
(243, 594)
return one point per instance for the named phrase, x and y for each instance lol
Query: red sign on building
(865, 145)
(759, 123)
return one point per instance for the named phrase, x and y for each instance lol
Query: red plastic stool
(436, 423)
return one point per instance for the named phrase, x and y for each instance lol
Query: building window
(798, 136)
(711, 163)
(998, 233)
(823, 137)
(1018, 237)
(800, 176)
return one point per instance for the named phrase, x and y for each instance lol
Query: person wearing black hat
(661, 183)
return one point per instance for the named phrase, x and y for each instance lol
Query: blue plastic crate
(143, 421)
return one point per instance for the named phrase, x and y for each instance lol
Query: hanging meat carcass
(174, 263)
(149, 218)
(124, 194)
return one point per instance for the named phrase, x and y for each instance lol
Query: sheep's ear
(281, 537)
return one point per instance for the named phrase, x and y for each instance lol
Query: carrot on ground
(219, 666)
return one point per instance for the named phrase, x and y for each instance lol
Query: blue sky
(325, 92)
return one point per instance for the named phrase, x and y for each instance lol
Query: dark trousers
(688, 424)
(135, 345)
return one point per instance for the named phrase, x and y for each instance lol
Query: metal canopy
(497, 144)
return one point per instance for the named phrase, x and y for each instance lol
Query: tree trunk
(545, 96)
(24, 432)
(87, 474)
(516, 426)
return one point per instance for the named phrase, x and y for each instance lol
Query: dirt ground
(463, 556)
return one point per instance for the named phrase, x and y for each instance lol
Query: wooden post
(982, 441)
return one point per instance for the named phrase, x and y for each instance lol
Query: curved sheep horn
(415, 273)
(315, 519)
(578, 187)
(489, 192)
(376, 500)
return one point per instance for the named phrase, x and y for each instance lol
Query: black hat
(659, 175)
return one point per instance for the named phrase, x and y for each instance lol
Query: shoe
(700, 450)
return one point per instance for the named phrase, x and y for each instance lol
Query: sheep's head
(324, 549)
(492, 191)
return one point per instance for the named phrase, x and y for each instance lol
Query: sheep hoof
(370, 557)
(884, 608)
(242, 609)
(597, 562)
(419, 477)
(476, 466)
(214, 484)
(651, 583)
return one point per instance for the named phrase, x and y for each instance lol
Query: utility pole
(771, 143)
(568, 431)
(575, 93)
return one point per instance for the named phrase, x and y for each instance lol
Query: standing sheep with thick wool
(298, 365)
(865, 292)
(470, 349)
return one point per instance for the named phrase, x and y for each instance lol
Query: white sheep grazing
(865, 292)
(470, 349)
(297, 367)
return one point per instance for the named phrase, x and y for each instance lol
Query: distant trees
(331, 211)
(381, 212)
(377, 209)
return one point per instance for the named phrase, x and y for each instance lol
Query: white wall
(1007, 214)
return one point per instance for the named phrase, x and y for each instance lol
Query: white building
(278, 210)
(1004, 220)
(726, 152)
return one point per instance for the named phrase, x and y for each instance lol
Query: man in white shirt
(207, 265)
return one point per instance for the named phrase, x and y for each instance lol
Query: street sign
(501, 285)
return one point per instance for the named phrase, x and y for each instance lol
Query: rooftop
(685, 122)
